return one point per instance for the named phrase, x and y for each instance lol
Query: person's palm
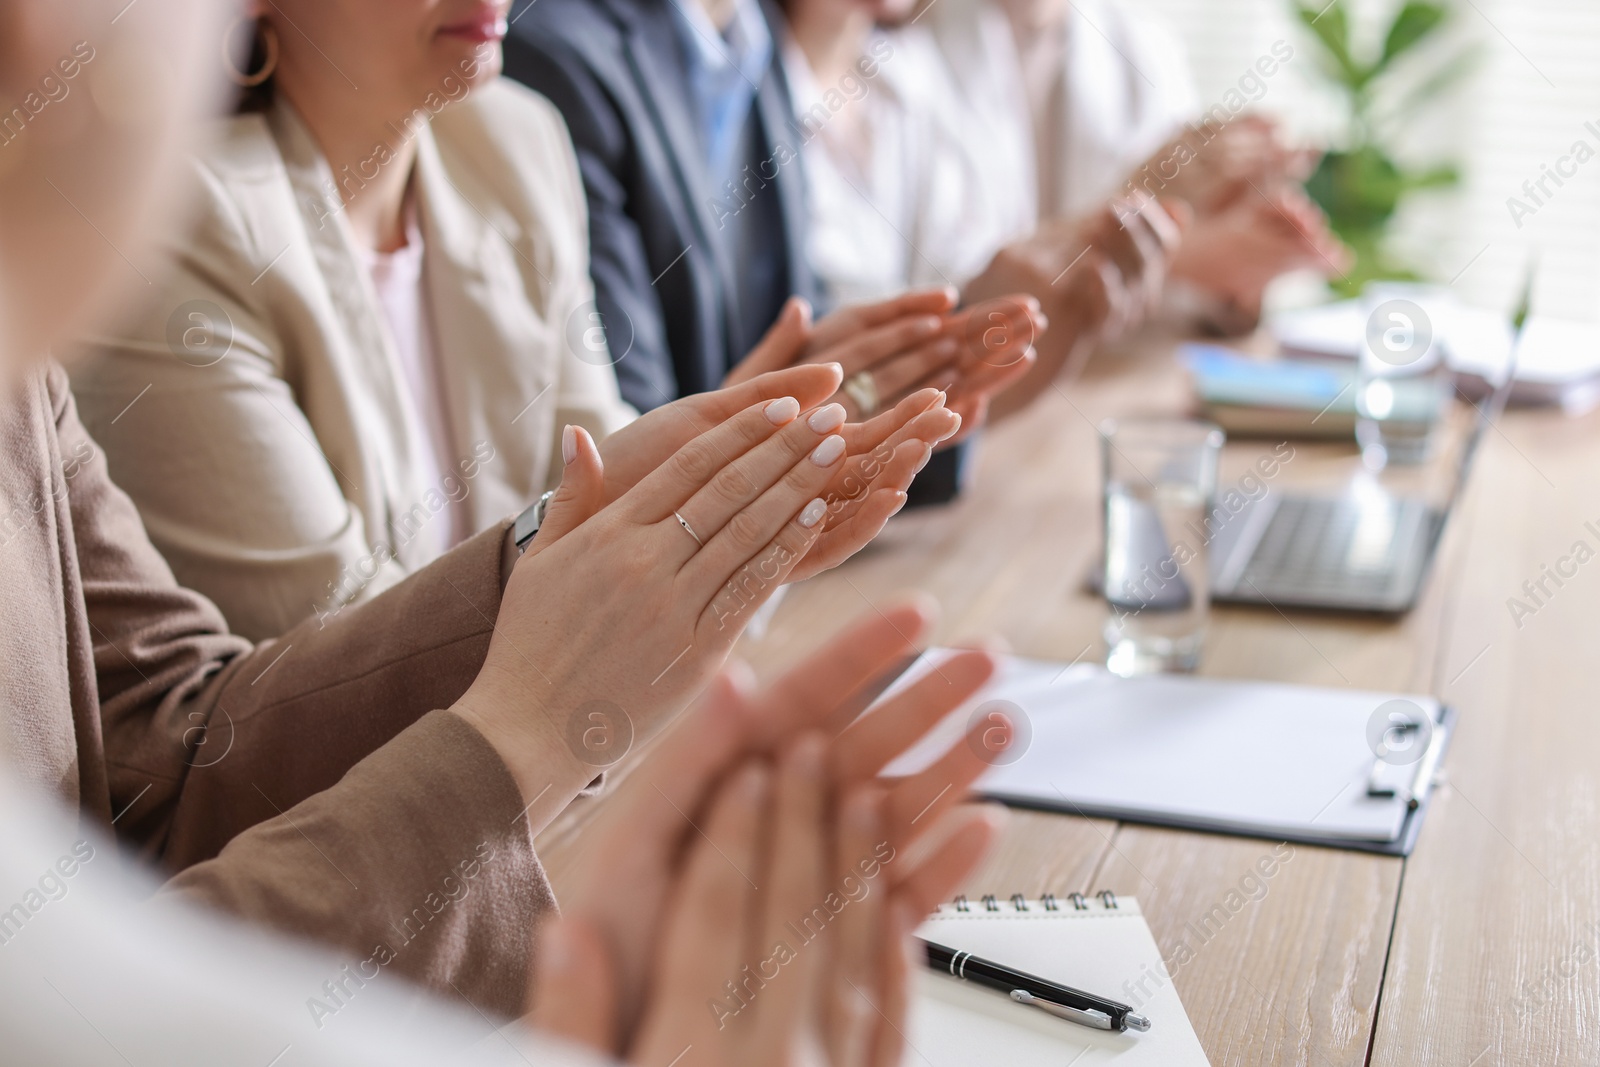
(637, 838)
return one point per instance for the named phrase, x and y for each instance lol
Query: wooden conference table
(1482, 948)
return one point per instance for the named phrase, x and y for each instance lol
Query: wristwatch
(528, 523)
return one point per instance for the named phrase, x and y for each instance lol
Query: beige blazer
(256, 412)
(302, 783)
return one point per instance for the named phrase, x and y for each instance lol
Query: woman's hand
(1233, 254)
(636, 838)
(781, 939)
(1094, 277)
(1221, 164)
(882, 454)
(620, 612)
(633, 452)
(890, 350)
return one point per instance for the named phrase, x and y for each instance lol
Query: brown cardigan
(303, 783)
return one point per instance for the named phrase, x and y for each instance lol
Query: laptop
(1364, 549)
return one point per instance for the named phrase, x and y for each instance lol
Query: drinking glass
(1404, 383)
(1160, 476)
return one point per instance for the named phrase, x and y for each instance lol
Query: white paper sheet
(1250, 757)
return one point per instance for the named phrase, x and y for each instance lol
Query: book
(1251, 397)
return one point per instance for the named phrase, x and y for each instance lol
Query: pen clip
(1096, 1019)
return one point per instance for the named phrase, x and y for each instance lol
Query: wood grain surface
(1484, 947)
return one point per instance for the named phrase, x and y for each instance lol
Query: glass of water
(1404, 384)
(1159, 479)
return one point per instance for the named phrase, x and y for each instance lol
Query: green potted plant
(1358, 182)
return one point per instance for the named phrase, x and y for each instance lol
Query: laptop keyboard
(1330, 546)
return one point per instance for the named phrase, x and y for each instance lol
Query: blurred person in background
(698, 215)
(1012, 137)
(912, 184)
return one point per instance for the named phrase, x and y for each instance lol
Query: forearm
(418, 861)
(288, 720)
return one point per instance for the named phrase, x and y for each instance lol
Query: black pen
(1064, 1002)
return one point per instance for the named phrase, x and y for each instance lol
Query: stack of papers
(1558, 365)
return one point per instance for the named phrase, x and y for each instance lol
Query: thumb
(582, 489)
(781, 346)
(575, 989)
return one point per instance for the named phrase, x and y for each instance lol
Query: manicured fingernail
(900, 503)
(569, 443)
(828, 452)
(927, 326)
(927, 454)
(827, 418)
(783, 410)
(954, 428)
(946, 348)
(813, 513)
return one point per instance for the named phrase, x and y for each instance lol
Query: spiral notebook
(1098, 944)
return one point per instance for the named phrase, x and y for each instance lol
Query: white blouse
(906, 203)
(948, 167)
(397, 280)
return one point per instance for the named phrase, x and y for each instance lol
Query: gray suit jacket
(664, 286)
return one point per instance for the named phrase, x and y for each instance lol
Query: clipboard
(1339, 768)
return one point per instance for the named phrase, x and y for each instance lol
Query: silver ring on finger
(862, 388)
(688, 529)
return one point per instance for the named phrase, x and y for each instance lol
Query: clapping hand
(1095, 278)
(652, 925)
(893, 349)
(881, 456)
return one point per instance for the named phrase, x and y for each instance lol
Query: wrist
(523, 734)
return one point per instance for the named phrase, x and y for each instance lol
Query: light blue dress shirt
(725, 70)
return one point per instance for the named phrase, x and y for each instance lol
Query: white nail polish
(813, 513)
(826, 418)
(569, 444)
(828, 452)
(783, 410)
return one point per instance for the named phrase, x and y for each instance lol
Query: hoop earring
(268, 38)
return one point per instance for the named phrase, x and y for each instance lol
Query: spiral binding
(1048, 901)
